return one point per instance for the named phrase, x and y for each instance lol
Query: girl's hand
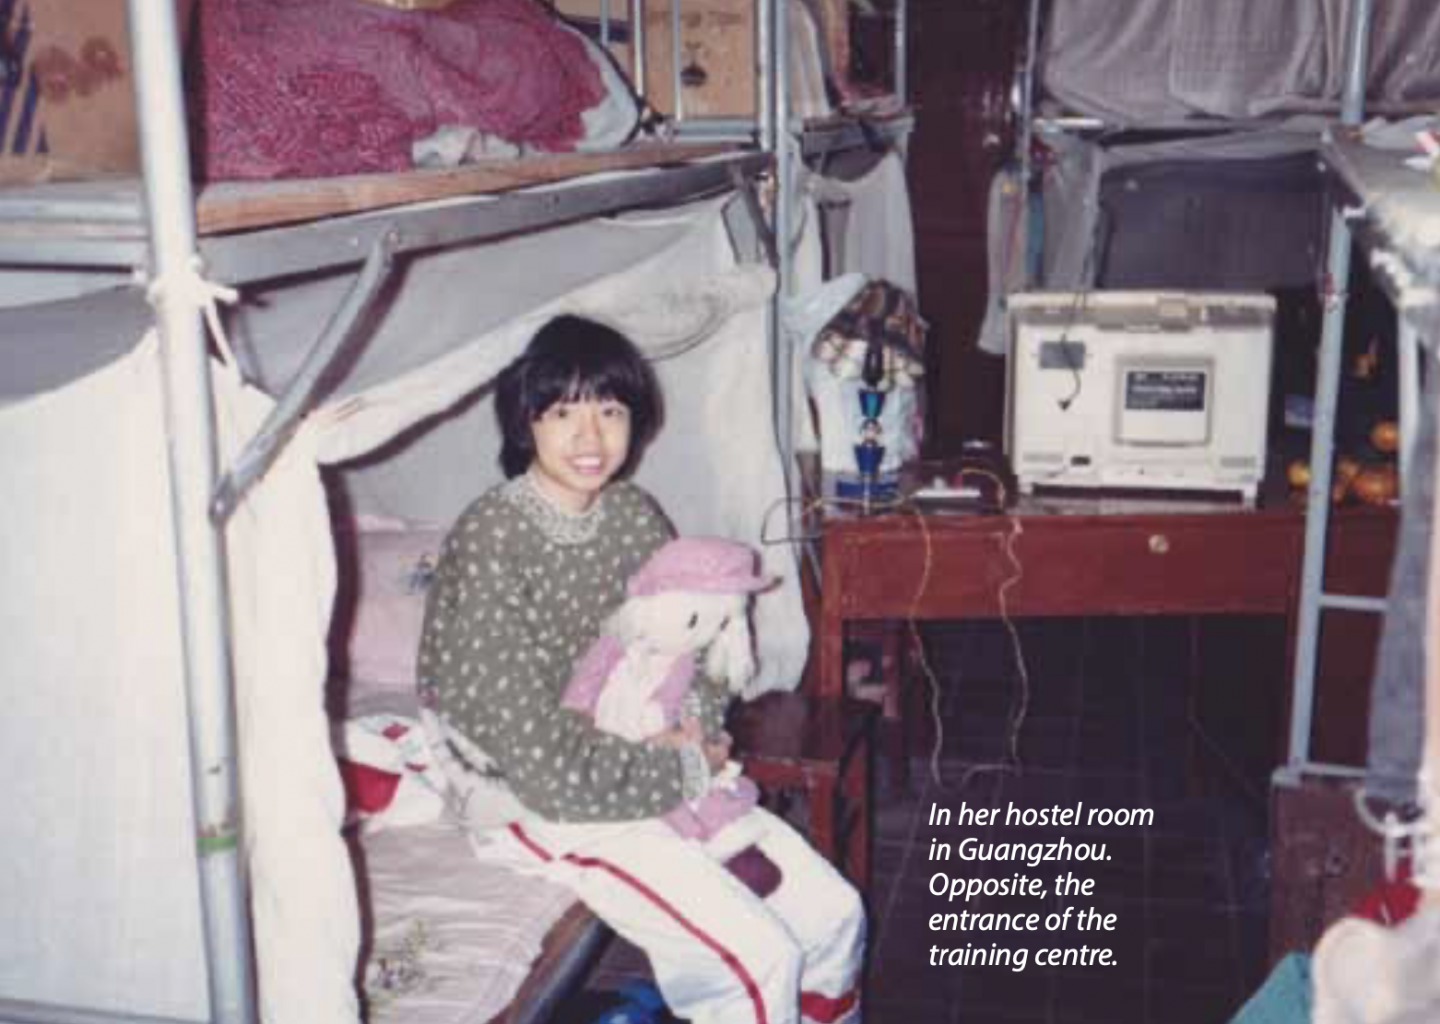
(717, 752)
(684, 734)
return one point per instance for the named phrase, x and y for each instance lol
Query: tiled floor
(1106, 724)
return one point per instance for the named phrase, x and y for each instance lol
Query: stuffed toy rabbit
(686, 607)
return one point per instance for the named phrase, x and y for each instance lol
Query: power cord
(1008, 540)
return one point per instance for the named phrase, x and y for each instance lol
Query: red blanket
(317, 88)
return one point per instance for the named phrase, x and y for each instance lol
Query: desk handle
(1159, 544)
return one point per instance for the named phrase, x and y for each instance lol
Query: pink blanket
(317, 88)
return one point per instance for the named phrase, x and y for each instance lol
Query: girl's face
(579, 446)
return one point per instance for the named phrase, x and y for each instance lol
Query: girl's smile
(579, 446)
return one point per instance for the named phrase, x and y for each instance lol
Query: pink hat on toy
(707, 565)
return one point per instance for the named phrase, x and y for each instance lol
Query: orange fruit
(1376, 485)
(1385, 436)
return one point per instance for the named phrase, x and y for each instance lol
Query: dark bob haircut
(571, 359)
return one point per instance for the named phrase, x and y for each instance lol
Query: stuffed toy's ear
(633, 622)
(731, 656)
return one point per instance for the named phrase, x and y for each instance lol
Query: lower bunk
(446, 938)
(449, 940)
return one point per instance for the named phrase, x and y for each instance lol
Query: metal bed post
(771, 97)
(637, 44)
(677, 84)
(1322, 437)
(902, 48)
(1030, 230)
(1408, 347)
(190, 427)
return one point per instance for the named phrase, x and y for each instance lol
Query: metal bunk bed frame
(160, 239)
(1314, 599)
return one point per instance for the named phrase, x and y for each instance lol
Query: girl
(526, 577)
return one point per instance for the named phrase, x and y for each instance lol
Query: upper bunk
(252, 231)
(1391, 181)
(1192, 65)
(259, 215)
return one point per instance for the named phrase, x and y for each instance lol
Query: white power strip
(939, 489)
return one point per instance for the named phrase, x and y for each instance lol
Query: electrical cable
(1008, 541)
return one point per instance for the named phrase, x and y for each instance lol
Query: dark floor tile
(1208, 888)
(1102, 751)
(1191, 949)
(904, 974)
(966, 1014)
(1037, 788)
(1253, 950)
(1186, 818)
(1173, 853)
(910, 1011)
(1173, 1004)
(988, 992)
(1048, 743)
(1099, 997)
(1119, 880)
(1057, 699)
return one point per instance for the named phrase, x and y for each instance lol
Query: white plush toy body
(687, 606)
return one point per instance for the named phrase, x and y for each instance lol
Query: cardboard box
(717, 46)
(717, 57)
(67, 106)
(1324, 860)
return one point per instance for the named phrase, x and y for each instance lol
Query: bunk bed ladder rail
(1312, 598)
(1401, 838)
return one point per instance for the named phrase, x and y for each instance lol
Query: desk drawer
(1193, 564)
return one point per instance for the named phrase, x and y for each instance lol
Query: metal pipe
(605, 23)
(1352, 602)
(717, 128)
(785, 195)
(772, 111)
(765, 73)
(745, 185)
(1317, 518)
(677, 85)
(190, 428)
(1357, 63)
(1407, 345)
(1322, 427)
(637, 47)
(1294, 774)
(1027, 120)
(279, 426)
(902, 52)
(17, 1011)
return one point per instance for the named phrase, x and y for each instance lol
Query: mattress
(448, 939)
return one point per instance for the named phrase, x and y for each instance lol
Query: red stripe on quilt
(826, 1010)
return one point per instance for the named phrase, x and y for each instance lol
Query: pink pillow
(380, 606)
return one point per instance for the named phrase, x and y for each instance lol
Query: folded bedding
(333, 87)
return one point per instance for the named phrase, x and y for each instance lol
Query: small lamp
(869, 446)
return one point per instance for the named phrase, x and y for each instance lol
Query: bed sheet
(448, 939)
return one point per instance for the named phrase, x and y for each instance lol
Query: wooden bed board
(234, 206)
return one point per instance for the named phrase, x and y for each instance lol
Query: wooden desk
(1089, 556)
(1066, 557)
